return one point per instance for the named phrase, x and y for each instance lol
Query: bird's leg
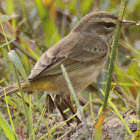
(71, 109)
(60, 110)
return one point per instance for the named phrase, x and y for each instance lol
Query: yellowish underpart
(41, 85)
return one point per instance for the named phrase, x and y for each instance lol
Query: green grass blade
(114, 53)
(23, 100)
(53, 129)
(6, 17)
(41, 101)
(91, 108)
(7, 42)
(138, 108)
(118, 114)
(31, 119)
(6, 128)
(48, 24)
(15, 59)
(11, 121)
(73, 94)
(42, 114)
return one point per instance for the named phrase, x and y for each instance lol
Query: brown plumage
(83, 53)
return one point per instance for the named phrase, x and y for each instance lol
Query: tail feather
(12, 89)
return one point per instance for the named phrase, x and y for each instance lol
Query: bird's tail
(12, 89)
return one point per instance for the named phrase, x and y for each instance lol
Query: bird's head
(100, 23)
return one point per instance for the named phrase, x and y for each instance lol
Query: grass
(30, 30)
(114, 52)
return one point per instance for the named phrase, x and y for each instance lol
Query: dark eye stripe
(109, 24)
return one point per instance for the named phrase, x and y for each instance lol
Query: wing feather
(69, 51)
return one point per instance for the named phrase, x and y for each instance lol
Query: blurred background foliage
(38, 24)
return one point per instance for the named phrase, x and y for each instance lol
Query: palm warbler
(83, 52)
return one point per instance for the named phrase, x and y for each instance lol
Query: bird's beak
(127, 23)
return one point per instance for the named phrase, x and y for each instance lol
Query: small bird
(83, 52)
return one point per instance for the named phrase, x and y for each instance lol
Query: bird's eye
(109, 24)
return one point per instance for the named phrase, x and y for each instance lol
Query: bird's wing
(69, 51)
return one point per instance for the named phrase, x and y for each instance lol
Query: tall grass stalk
(20, 88)
(11, 121)
(113, 54)
(139, 109)
(73, 94)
